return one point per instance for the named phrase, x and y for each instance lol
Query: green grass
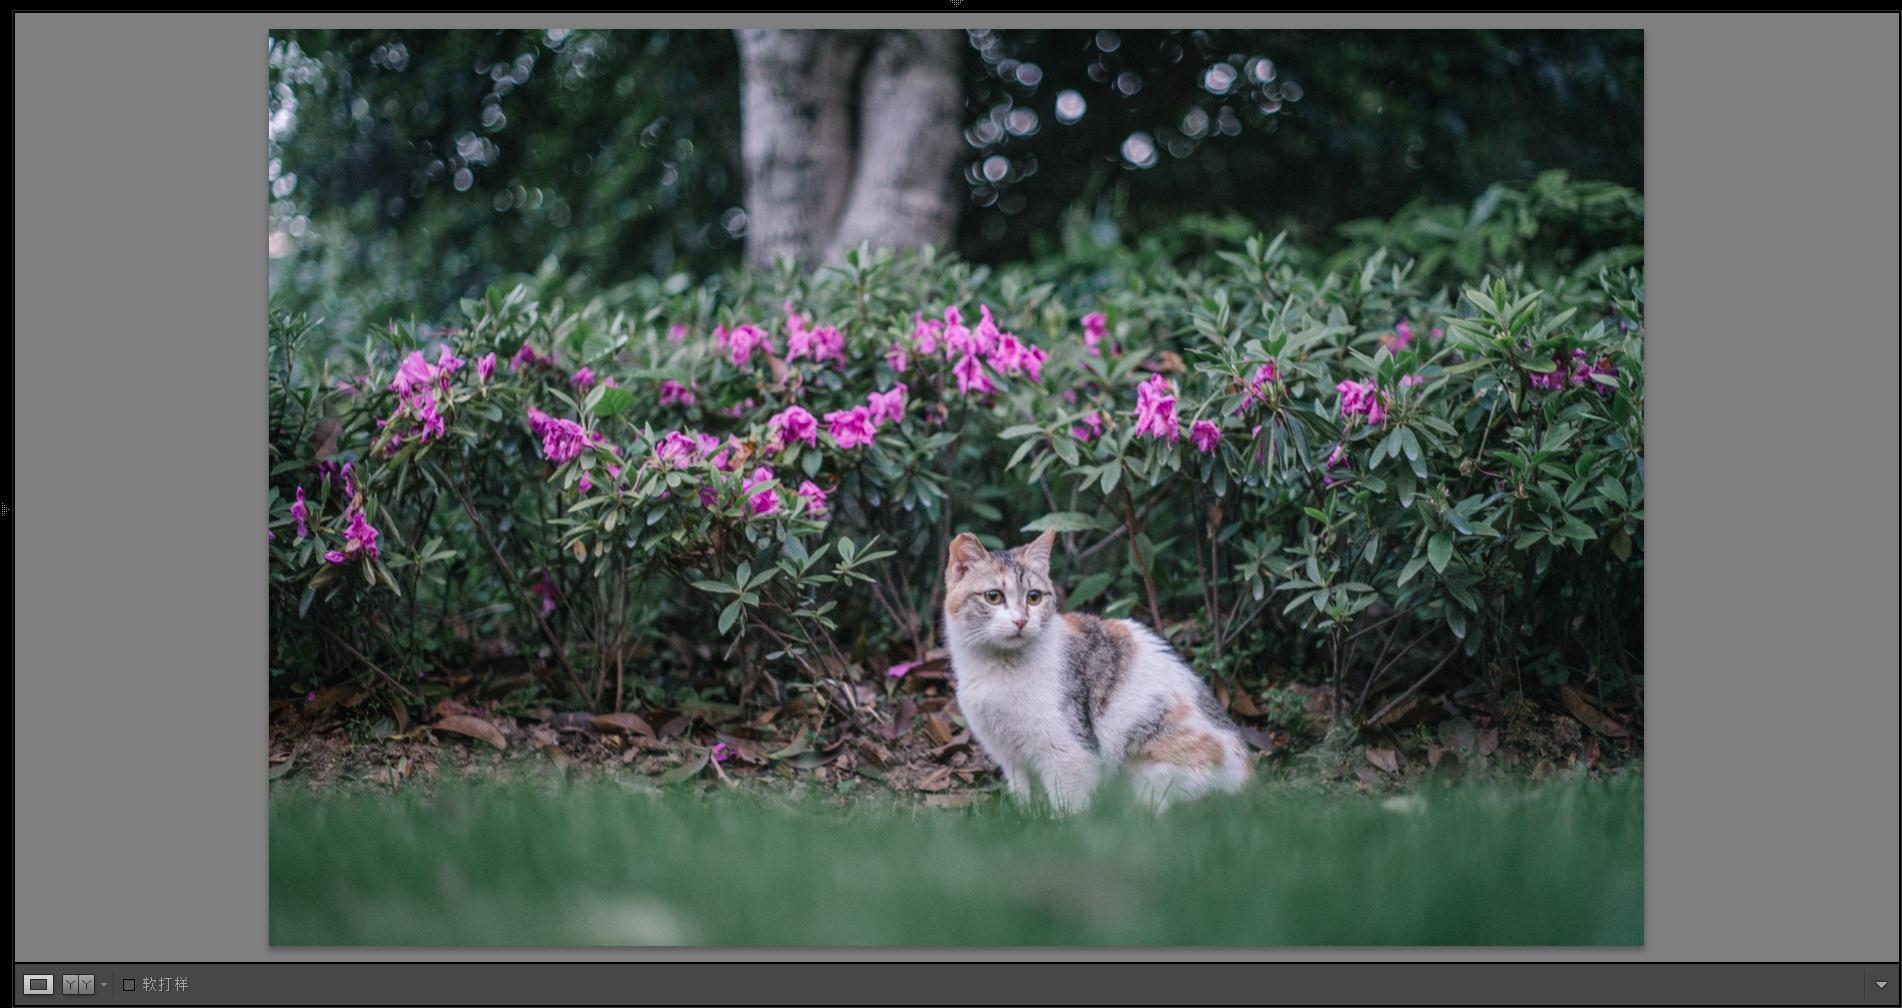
(1560, 864)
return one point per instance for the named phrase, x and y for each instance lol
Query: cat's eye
(994, 597)
(1034, 597)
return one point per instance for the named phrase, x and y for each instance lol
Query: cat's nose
(1020, 621)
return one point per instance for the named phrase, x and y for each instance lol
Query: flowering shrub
(746, 486)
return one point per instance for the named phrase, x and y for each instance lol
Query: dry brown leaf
(1590, 716)
(1258, 738)
(1243, 704)
(1385, 759)
(323, 439)
(451, 706)
(1416, 709)
(623, 723)
(939, 728)
(473, 727)
(901, 721)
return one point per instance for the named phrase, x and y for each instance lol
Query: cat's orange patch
(1183, 744)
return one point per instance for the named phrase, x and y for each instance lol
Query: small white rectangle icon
(38, 983)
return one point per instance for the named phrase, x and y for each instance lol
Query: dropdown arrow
(1882, 984)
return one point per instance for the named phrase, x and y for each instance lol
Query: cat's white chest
(1016, 715)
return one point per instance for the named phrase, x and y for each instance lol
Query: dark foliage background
(412, 168)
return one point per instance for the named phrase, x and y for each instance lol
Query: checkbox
(128, 985)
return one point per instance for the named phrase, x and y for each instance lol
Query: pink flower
(986, 334)
(1204, 435)
(334, 556)
(676, 450)
(1156, 409)
(766, 501)
(329, 471)
(900, 670)
(300, 513)
(887, 406)
(1338, 456)
(896, 356)
(527, 356)
(1095, 327)
(1091, 428)
(814, 496)
(1409, 381)
(563, 442)
(432, 421)
(971, 377)
(742, 341)
(794, 424)
(1362, 398)
(583, 378)
(1402, 335)
(446, 365)
(821, 344)
(958, 338)
(925, 333)
(677, 333)
(720, 752)
(740, 409)
(1257, 392)
(584, 484)
(851, 428)
(359, 536)
(413, 373)
(485, 368)
(672, 393)
(1436, 334)
(1010, 357)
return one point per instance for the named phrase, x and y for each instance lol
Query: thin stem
(514, 583)
(358, 655)
(1422, 681)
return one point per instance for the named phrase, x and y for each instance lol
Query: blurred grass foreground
(1558, 865)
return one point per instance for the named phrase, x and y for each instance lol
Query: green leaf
(613, 402)
(1413, 567)
(1440, 551)
(728, 615)
(1409, 443)
(1089, 588)
(1063, 521)
(1575, 529)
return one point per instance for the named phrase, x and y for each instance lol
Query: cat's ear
(966, 552)
(1036, 555)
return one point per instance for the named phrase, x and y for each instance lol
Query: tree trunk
(796, 138)
(909, 101)
(848, 137)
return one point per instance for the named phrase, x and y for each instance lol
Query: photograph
(955, 488)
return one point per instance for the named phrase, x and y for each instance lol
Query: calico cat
(1061, 700)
